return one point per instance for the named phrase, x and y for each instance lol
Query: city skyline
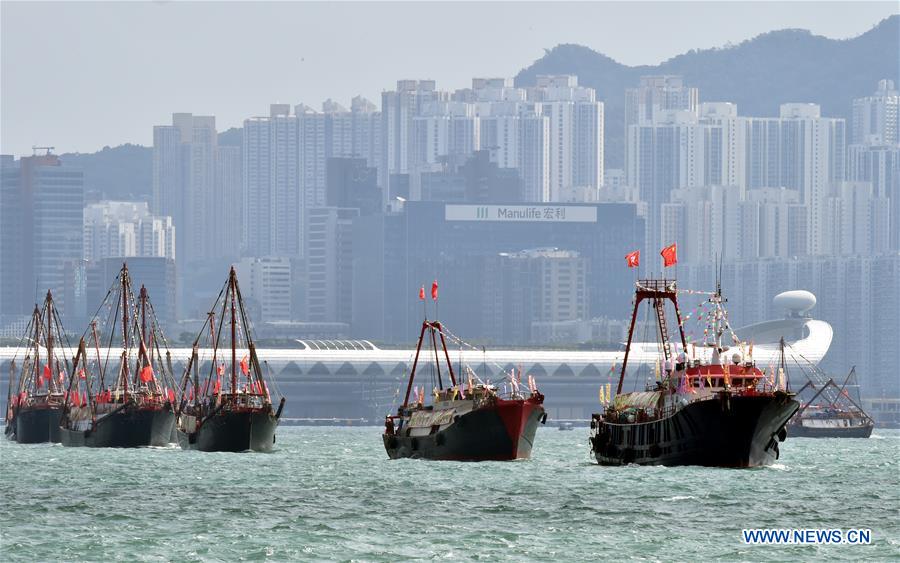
(276, 71)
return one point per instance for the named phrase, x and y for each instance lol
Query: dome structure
(797, 302)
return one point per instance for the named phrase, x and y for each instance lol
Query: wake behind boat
(465, 421)
(716, 414)
(227, 412)
(125, 401)
(35, 404)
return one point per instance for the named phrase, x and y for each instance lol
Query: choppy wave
(332, 494)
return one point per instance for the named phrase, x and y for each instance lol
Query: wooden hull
(232, 432)
(740, 431)
(131, 427)
(501, 432)
(36, 425)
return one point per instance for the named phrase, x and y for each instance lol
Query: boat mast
(52, 381)
(124, 367)
(233, 336)
(37, 349)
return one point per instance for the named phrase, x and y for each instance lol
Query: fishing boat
(35, 404)
(715, 413)
(831, 412)
(121, 396)
(471, 421)
(225, 411)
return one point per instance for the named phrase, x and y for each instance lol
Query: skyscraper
(41, 230)
(576, 134)
(876, 118)
(185, 188)
(655, 95)
(399, 108)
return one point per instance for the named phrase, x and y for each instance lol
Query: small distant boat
(716, 414)
(831, 412)
(466, 421)
(227, 412)
(126, 401)
(35, 404)
(565, 426)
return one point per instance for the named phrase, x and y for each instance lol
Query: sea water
(332, 494)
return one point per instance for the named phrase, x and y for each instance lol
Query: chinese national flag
(670, 255)
(434, 290)
(422, 293)
(147, 374)
(633, 259)
(245, 366)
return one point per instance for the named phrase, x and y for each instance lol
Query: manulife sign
(523, 213)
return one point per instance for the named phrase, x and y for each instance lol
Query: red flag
(76, 399)
(217, 387)
(171, 395)
(633, 259)
(147, 374)
(422, 293)
(245, 366)
(670, 255)
(434, 290)
(220, 369)
(81, 373)
(47, 375)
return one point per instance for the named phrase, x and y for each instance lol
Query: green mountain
(790, 65)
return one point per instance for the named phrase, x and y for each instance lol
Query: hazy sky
(80, 75)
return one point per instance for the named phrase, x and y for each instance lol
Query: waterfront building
(418, 242)
(41, 229)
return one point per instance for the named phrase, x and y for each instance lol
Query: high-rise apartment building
(880, 166)
(876, 118)
(116, 229)
(185, 187)
(399, 108)
(576, 134)
(655, 95)
(229, 184)
(799, 150)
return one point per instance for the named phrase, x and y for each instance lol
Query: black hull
(800, 431)
(479, 435)
(127, 428)
(37, 425)
(232, 432)
(740, 431)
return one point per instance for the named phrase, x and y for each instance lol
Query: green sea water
(331, 494)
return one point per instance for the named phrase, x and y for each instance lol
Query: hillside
(759, 74)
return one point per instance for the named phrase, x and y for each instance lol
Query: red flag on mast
(422, 293)
(670, 255)
(245, 366)
(434, 290)
(633, 259)
(147, 374)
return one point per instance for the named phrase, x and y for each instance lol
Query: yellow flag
(608, 393)
(602, 398)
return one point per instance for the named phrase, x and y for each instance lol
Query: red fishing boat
(466, 420)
